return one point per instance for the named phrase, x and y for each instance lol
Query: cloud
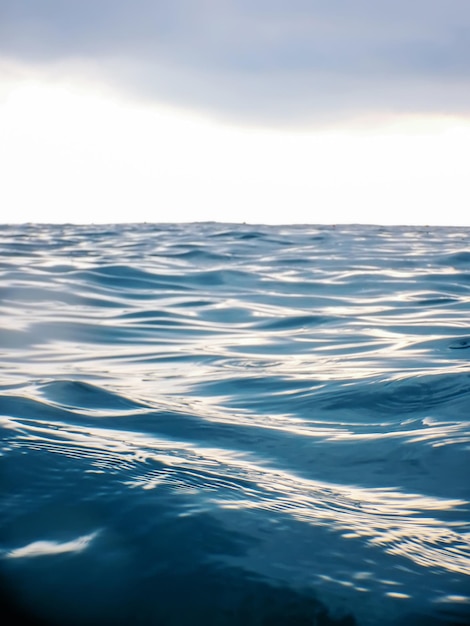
(258, 60)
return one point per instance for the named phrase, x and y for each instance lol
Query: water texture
(233, 424)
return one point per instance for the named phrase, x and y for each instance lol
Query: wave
(228, 424)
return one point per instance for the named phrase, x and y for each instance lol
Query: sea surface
(216, 424)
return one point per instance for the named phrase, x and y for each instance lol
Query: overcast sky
(261, 110)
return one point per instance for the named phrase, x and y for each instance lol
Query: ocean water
(213, 424)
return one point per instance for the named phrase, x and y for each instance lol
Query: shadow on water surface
(205, 597)
(148, 563)
(169, 576)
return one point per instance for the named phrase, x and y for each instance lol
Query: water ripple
(272, 422)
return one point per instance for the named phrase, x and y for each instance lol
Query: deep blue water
(211, 424)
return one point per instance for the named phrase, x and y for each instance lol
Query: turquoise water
(233, 424)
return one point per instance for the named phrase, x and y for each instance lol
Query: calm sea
(213, 424)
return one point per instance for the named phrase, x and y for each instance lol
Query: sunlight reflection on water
(187, 407)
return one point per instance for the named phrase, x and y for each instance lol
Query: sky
(259, 111)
